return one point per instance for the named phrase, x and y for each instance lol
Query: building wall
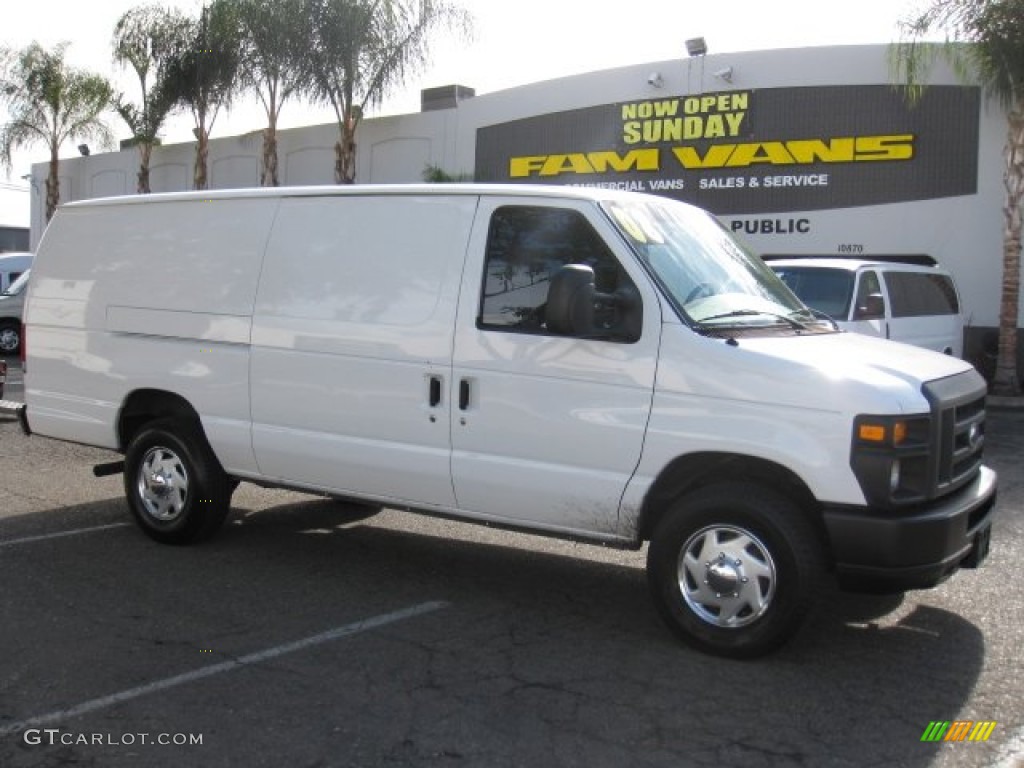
(13, 239)
(963, 232)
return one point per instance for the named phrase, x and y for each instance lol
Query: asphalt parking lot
(308, 635)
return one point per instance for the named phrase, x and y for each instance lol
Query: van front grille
(958, 405)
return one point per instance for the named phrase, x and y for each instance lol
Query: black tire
(175, 486)
(10, 338)
(734, 569)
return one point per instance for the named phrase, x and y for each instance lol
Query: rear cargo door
(547, 429)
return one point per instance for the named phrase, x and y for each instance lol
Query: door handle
(435, 391)
(463, 394)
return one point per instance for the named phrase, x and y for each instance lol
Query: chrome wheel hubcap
(8, 340)
(726, 576)
(162, 484)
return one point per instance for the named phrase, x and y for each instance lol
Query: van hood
(858, 355)
(831, 372)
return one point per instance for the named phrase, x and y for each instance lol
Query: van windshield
(827, 290)
(712, 280)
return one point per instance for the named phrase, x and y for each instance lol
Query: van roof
(16, 257)
(852, 265)
(341, 190)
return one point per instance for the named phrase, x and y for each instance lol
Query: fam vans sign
(769, 150)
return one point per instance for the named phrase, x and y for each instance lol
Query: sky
(515, 43)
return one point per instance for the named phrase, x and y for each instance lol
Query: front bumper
(888, 551)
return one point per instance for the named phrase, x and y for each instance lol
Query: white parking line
(215, 669)
(61, 534)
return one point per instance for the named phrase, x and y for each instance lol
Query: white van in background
(911, 303)
(12, 306)
(587, 363)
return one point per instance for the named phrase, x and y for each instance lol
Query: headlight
(889, 457)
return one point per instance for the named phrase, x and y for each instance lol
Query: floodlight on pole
(696, 46)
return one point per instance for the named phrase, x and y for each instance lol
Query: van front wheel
(734, 569)
(176, 488)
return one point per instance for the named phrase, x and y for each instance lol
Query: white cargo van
(590, 364)
(912, 303)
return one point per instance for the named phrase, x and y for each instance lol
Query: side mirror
(570, 307)
(627, 313)
(873, 308)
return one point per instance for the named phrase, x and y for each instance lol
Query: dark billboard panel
(766, 150)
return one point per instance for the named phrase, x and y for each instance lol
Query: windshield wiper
(818, 314)
(790, 321)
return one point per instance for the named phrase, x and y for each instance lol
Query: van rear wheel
(734, 569)
(177, 490)
(10, 338)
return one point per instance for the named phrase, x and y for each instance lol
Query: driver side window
(526, 246)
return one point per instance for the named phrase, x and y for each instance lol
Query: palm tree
(274, 64)
(203, 75)
(362, 49)
(50, 102)
(985, 40)
(146, 38)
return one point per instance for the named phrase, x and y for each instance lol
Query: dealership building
(808, 151)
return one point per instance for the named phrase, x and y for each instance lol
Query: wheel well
(145, 405)
(687, 473)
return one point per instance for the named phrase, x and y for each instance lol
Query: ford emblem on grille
(974, 436)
